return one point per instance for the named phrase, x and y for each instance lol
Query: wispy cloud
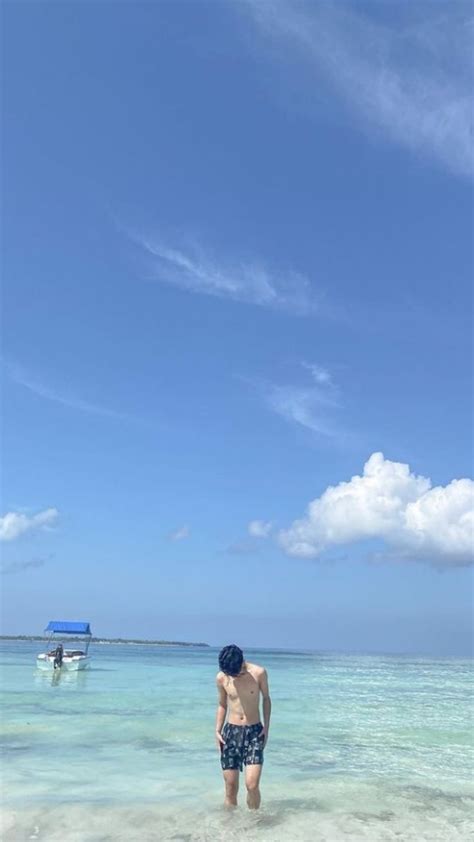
(410, 77)
(180, 534)
(21, 566)
(319, 374)
(312, 405)
(195, 270)
(242, 548)
(19, 375)
(14, 524)
(260, 528)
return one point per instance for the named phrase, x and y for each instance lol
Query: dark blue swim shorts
(243, 745)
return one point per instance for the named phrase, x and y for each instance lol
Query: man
(242, 739)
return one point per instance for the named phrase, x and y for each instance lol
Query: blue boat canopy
(68, 628)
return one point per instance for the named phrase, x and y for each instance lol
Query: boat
(57, 657)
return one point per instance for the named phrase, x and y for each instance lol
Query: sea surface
(361, 748)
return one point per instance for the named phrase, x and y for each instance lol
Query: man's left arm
(267, 703)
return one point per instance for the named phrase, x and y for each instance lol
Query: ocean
(362, 747)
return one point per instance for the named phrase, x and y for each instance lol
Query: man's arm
(267, 702)
(221, 712)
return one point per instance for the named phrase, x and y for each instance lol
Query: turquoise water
(361, 748)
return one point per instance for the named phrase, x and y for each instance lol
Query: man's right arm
(221, 711)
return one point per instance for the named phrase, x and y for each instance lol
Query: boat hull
(46, 663)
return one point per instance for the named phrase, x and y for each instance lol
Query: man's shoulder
(220, 677)
(256, 668)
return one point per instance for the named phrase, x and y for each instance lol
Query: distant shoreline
(106, 640)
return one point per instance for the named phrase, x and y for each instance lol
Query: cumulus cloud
(180, 534)
(389, 502)
(14, 524)
(410, 76)
(195, 270)
(260, 528)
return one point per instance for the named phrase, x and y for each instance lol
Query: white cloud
(311, 405)
(409, 78)
(198, 272)
(180, 534)
(14, 524)
(260, 528)
(389, 502)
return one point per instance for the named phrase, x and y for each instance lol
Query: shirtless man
(243, 737)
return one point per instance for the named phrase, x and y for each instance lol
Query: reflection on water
(69, 678)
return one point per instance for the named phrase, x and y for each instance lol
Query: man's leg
(231, 780)
(252, 782)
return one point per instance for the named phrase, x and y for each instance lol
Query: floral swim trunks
(243, 745)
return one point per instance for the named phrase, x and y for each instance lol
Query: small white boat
(57, 657)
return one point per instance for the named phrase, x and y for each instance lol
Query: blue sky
(237, 264)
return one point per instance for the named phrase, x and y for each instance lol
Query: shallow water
(361, 748)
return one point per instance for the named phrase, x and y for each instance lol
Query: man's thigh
(231, 778)
(253, 774)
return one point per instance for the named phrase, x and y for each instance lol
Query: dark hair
(231, 659)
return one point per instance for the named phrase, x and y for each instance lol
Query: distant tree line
(72, 638)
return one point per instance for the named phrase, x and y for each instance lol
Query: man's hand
(264, 734)
(220, 742)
